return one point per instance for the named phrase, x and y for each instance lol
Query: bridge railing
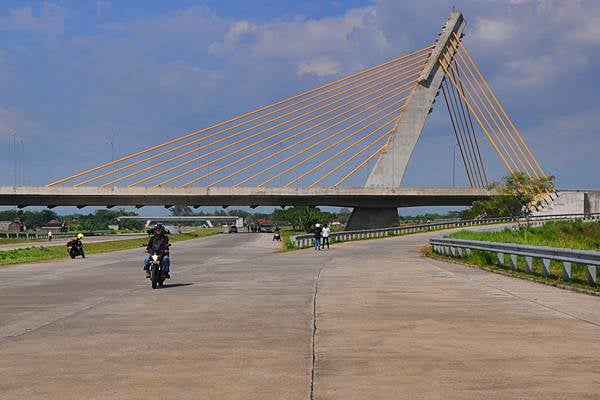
(460, 248)
(304, 241)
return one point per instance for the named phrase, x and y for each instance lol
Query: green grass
(567, 234)
(18, 241)
(286, 239)
(564, 234)
(35, 254)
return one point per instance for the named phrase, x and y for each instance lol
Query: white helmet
(317, 225)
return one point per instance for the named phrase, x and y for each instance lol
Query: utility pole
(23, 160)
(14, 135)
(112, 147)
(454, 165)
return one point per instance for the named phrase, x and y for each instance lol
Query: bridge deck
(217, 196)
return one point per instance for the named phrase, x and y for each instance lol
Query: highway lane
(238, 322)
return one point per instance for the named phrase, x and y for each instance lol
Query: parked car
(233, 229)
(265, 228)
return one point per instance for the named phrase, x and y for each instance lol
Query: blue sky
(73, 73)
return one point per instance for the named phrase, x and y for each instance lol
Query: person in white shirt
(325, 235)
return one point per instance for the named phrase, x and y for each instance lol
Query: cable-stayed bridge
(313, 147)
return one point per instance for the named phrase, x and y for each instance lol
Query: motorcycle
(157, 277)
(75, 248)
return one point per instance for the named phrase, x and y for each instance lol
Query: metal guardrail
(304, 241)
(460, 247)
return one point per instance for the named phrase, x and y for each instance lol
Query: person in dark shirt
(317, 235)
(158, 244)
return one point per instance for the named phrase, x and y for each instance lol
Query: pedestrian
(317, 236)
(49, 236)
(325, 235)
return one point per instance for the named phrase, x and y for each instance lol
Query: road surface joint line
(314, 335)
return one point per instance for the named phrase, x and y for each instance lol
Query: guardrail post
(513, 261)
(501, 258)
(460, 251)
(566, 270)
(453, 251)
(546, 267)
(468, 252)
(529, 264)
(590, 275)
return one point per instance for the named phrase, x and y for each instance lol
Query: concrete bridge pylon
(391, 164)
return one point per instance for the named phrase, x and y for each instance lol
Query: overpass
(23, 196)
(209, 219)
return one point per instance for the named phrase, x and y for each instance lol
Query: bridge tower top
(390, 166)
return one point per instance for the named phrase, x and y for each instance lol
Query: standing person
(317, 236)
(325, 234)
(49, 236)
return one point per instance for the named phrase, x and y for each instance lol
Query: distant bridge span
(246, 196)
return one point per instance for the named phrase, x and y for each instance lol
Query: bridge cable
(235, 134)
(468, 136)
(517, 133)
(359, 166)
(523, 161)
(347, 160)
(456, 132)
(242, 116)
(332, 145)
(409, 85)
(324, 140)
(519, 164)
(460, 131)
(196, 149)
(476, 151)
(243, 169)
(288, 138)
(442, 62)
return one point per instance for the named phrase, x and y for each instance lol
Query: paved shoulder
(391, 324)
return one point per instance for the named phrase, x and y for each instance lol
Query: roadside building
(53, 225)
(15, 225)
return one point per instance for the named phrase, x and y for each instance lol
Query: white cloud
(495, 31)
(50, 21)
(233, 35)
(321, 66)
(12, 120)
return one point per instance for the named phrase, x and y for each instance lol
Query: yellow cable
(481, 125)
(349, 77)
(516, 131)
(362, 164)
(278, 142)
(345, 162)
(196, 149)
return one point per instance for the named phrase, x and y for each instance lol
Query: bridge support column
(372, 217)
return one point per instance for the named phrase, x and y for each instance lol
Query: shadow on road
(173, 285)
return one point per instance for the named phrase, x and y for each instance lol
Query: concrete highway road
(364, 320)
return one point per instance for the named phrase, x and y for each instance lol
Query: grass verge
(36, 254)
(566, 234)
(489, 262)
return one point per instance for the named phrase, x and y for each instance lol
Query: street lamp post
(23, 160)
(14, 135)
(454, 165)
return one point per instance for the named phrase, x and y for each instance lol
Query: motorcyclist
(159, 244)
(76, 243)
